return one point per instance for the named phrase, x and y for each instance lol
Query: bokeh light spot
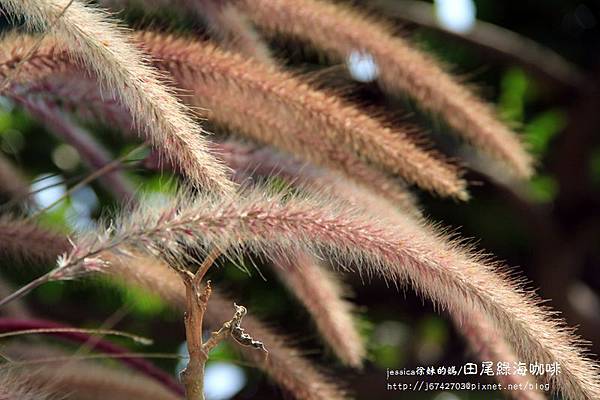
(456, 15)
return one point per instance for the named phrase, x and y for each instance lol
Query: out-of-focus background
(547, 230)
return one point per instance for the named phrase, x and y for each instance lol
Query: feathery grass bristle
(107, 50)
(344, 201)
(275, 107)
(406, 253)
(340, 31)
(323, 296)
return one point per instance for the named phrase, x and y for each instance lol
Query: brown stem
(206, 264)
(196, 302)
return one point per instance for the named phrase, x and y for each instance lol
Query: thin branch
(501, 43)
(76, 376)
(103, 332)
(116, 163)
(26, 289)
(193, 374)
(83, 336)
(205, 266)
(197, 298)
(119, 356)
(196, 302)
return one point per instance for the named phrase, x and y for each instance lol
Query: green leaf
(543, 188)
(50, 293)
(5, 122)
(514, 87)
(142, 301)
(541, 129)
